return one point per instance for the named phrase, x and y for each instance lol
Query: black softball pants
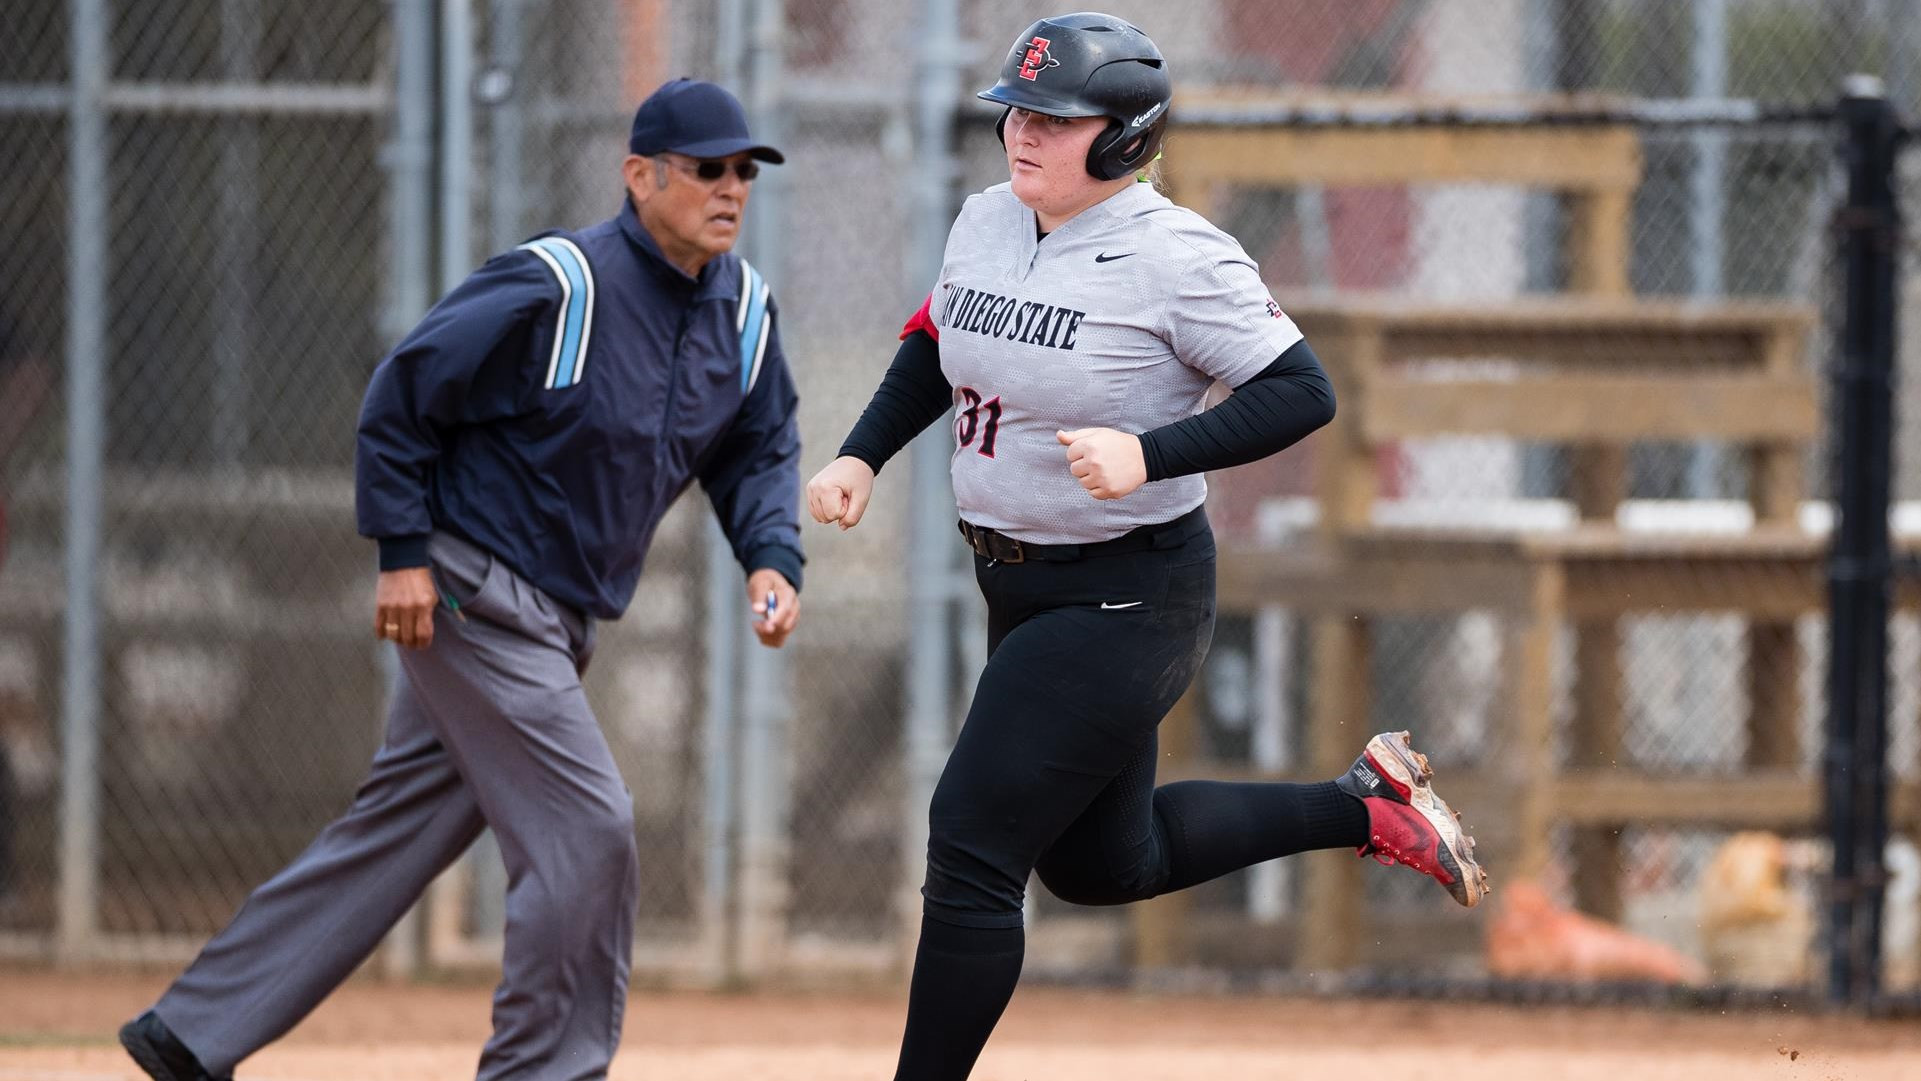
(1053, 773)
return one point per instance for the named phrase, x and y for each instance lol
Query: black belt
(997, 546)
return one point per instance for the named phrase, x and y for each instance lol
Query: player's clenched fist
(1106, 462)
(839, 493)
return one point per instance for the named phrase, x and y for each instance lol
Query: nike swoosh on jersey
(1106, 258)
(1106, 607)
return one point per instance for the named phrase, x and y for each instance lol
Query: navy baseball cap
(697, 119)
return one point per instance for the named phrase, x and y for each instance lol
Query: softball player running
(1077, 325)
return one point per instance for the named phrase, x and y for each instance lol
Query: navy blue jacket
(553, 405)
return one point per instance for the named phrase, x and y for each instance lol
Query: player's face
(692, 213)
(1047, 161)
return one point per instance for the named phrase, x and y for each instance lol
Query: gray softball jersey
(1121, 318)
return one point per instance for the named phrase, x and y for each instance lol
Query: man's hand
(839, 493)
(404, 607)
(773, 628)
(1106, 462)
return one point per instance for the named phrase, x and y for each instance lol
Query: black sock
(963, 977)
(1215, 827)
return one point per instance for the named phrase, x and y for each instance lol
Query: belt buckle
(1018, 555)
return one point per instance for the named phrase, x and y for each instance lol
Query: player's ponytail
(1151, 173)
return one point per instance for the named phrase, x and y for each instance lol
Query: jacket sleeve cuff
(400, 553)
(776, 557)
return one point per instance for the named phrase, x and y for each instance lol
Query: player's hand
(839, 493)
(1106, 462)
(404, 607)
(773, 631)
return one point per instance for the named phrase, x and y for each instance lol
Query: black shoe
(159, 1052)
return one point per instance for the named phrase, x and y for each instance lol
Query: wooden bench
(1595, 371)
(1597, 375)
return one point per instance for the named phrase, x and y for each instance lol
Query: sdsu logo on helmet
(1037, 58)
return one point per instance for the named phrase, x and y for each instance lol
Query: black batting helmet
(1089, 64)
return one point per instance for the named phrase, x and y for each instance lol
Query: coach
(516, 453)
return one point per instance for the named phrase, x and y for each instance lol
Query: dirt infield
(59, 1028)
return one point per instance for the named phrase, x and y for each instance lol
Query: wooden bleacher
(1595, 167)
(1595, 371)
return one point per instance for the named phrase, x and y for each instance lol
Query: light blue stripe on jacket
(569, 360)
(753, 323)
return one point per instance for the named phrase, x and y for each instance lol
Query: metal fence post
(87, 192)
(454, 213)
(1707, 200)
(456, 142)
(720, 743)
(408, 160)
(505, 94)
(766, 709)
(930, 708)
(1859, 566)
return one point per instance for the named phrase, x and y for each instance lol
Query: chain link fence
(235, 300)
(279, 190)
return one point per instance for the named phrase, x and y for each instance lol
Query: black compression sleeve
(912, 395)
(1289, 399)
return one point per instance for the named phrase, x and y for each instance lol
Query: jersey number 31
(982, 418)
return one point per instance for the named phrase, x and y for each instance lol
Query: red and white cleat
(1407, 823)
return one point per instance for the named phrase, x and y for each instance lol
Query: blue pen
(772, 600)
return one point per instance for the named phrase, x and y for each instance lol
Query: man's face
(692, 217)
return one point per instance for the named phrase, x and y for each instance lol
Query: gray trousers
(489, 727)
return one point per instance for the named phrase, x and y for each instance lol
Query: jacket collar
(640, 238)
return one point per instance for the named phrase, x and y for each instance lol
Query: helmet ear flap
(1100, 152)
(1000, 127)
(1119, 150)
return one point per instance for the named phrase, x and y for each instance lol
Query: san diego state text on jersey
(1017, 320)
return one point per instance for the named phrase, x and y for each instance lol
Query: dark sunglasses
(710, 170)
